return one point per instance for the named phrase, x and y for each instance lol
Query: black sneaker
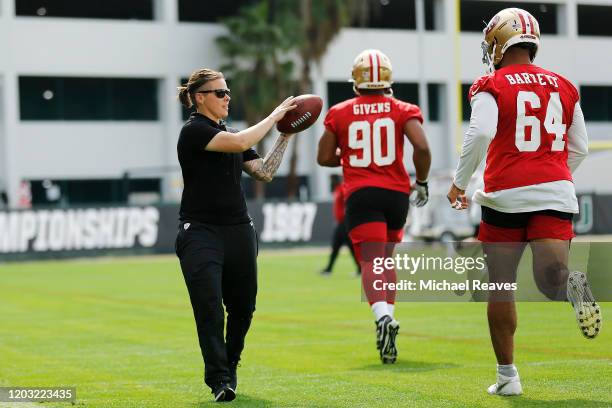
(223, 392)
(386, 331)
(233, 380)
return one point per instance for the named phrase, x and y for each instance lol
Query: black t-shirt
(212, 191)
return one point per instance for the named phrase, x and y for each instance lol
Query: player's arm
(228, 142)
(577, 140)
(482, 129)
(421, 155)
(326, 156)
(265, 169)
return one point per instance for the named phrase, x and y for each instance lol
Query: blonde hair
(196, 80)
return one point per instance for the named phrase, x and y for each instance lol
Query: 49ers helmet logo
(492, 24)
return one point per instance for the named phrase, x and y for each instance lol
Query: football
(303, 116)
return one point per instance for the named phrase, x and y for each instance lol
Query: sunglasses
(219, 93)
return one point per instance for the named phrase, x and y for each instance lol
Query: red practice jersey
(370, 133)
(536, 108)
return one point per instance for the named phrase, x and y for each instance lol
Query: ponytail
(184, 97)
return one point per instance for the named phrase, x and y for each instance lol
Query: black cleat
(386, 332)
(223, 392)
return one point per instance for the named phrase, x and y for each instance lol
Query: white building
(85, 99)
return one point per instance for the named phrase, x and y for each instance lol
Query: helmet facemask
(487, 51)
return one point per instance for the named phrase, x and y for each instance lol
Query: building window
(475, 14)
(211, 12)
(595, 102)
(67, 98)
(407, 92)
(466, 108)
(341, 91)
(433, 101)
(107, 9)
(430, 15)
(594, 20)
(385, 14)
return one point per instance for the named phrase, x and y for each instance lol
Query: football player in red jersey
(369, 130)
(528, 123)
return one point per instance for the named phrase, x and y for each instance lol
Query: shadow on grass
(522, 402)
(242, 400)
(408, 366)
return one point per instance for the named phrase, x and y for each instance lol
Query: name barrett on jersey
(522, 78)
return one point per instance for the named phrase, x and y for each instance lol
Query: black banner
(76, 232)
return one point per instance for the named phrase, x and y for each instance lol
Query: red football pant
(540, 226)
(372, 241)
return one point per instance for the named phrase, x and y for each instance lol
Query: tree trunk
(293, 182)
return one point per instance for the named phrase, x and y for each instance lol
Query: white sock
(508, 370)
(391, 308)
(380, 309)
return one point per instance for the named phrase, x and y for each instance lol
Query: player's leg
(201, 256)
(374, 282)
(549, 233)
(368, 239)
(396, 212)
(368, 233)
(387, 346)
(502, 262)
(366, 223)
(502, 236)
(337, 241)
(239, 290)
(550, 260)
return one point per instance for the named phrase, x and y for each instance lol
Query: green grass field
(122, 332)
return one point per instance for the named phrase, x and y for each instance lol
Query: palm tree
(321, 21)
(258, 44)
(257, 64)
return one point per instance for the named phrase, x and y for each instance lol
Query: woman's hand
(281, 109)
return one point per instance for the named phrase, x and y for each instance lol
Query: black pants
(340, 238)
(219, 264)
(375, 204)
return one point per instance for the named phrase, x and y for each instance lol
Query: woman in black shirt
(216, 242)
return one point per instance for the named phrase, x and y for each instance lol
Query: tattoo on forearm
(265, 169)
